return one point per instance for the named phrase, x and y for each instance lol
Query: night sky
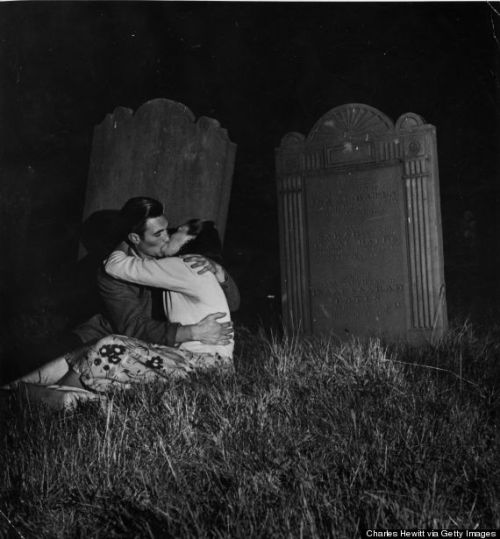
(262, 70)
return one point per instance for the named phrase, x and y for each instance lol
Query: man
(128, 310)
(128, 307)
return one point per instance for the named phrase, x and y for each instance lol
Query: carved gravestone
(161, 152)
(360, 227)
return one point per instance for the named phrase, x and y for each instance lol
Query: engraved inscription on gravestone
(360, 228)
(358, 277)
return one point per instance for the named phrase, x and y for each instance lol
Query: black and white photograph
(249, 280)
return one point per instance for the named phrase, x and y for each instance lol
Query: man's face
(154, 240)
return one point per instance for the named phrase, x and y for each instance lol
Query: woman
(189, 296)
(120, 362)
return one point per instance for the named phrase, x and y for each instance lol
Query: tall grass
(310, 438)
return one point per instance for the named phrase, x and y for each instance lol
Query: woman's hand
(204, 264)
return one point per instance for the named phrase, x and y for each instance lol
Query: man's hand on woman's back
(207, 331)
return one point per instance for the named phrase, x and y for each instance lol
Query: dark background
(262, 70)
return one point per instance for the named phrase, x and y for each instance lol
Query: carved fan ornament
(351, 122)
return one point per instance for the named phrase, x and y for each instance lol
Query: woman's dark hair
(136, 211)
(207, 241)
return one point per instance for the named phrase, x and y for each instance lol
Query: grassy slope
(311, 438)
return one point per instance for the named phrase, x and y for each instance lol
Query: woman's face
(177, 239)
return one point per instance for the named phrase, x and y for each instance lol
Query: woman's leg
(71, 379)
(47, 374)
(52, 372)
(58, 397)
(117, 361)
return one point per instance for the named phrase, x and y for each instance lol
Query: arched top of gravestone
(162, 106)
(409, 121)
(177, 113)
(154, 106)
(354, 121)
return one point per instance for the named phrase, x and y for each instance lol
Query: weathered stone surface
(161, 152)
(360, 227)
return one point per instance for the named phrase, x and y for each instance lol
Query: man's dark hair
(136, 211)
(207, 241)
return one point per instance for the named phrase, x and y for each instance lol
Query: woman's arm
(170, 273)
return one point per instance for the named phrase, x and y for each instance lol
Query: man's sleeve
(128, 309)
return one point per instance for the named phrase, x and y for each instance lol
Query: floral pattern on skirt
(117, 361)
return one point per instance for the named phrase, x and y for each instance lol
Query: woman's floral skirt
(117, 361)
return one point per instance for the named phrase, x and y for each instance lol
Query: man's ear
(134, 238)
